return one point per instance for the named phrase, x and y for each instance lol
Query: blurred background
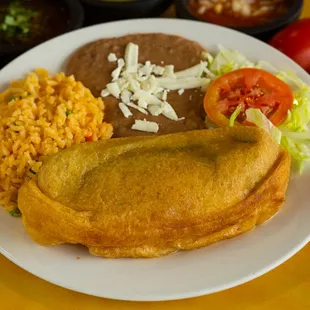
(27, 23)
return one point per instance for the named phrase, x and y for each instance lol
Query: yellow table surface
(286, 287)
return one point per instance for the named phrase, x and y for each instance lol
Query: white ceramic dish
(185, 274)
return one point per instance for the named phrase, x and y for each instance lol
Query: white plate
(187, 274)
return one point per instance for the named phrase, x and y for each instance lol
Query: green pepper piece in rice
(13, 98)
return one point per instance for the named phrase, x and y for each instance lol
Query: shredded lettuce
(228, 60)
(296, 134)
(257, 117)
(234, 116)
(299, 117)
(293, 134)
(299, 151)
(263, 65)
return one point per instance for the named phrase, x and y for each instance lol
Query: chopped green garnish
(9, 21)
(16, 213)
(17, 21)
(68, 112)
(13, 97)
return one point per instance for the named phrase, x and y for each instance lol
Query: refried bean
(90, 66)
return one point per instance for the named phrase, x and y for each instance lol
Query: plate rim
(180, 296)
(168, 297)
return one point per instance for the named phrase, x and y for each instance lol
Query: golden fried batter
(150, 196)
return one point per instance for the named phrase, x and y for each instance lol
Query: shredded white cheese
(158, 90)
(158, 70)
(182, 83)
(146, 70)
(122, 84)
(121, 62)
(130, 104)
(169, 72)
(149, 85)
(142, 103)
(105, 93)
(134, 85)
(112, 57)
(145, 87)
(145, 126)
(150, 99)
(126, 96)
(131, 57)
(181, 91)
(169, 112)
(116, 73)
(114, 89)
(155, 110)
(195, 71)
(126, 112)
(164, 95)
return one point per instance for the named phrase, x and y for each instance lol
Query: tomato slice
(248, 88)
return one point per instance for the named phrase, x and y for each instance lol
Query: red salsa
(239, 13)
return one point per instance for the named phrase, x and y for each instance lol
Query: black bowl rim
(111, 4)
(76, 13)
(292, 14)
